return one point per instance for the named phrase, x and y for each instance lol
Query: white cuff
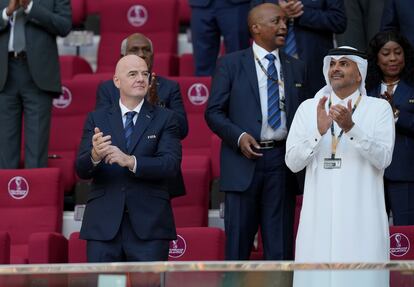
(95, 163)
(238, 140)
(4, 15)
(135, 165)
(29, 8)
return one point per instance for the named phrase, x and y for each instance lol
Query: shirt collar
(337, 100)
(124, 109)
(261, 52)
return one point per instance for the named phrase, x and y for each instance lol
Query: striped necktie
(273, 110)
(290, 46)
(129, 127)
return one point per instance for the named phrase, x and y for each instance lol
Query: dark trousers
(400, 199)
(22, 100)
(127, 247)
(267, 203)
(208, 24)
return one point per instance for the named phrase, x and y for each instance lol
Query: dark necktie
(129, 127)
(273, 110)
(290, 46)
(19, 40)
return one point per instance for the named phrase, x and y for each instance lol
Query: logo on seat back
(18, 187)
(137, 15)
(399, 244)
(198, 94)
(64, 99)
(177, 247)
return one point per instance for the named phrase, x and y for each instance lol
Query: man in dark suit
(167, 91)
(211, 19)
(397, 15)
(129, 151)
(29, 76)
(162, 92)
(314, 23)
(255, 93)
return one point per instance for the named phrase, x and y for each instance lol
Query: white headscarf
(362, 67)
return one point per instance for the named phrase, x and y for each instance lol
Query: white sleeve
(376, 148)
(303, 140)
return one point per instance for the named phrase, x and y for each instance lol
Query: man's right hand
(324, 120)
(247, 143)
(13, 6)
(292, 8)
(100, 145)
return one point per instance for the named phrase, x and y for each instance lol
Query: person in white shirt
(345, 140)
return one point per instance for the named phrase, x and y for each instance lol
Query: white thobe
(343, 217)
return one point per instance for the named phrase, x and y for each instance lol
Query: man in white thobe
(345, 140)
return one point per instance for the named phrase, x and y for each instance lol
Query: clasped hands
(338, 113)
(102, 149)
(16, 4)
(292, 8)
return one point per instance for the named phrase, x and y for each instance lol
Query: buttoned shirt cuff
(4, 15)
(238, 140)
(135, 165)
(95, 163)
(28, 8)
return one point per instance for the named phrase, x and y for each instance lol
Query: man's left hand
(115, 155)
(342, 116)
(292, 8)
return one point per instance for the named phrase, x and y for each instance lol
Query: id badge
(332, 163)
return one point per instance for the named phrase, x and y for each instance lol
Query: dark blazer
(402, 165)
(398, 15)
(46, 20)
(156, 146)
(314, 35)
(168, 91)
(205, 3)
(234, 108)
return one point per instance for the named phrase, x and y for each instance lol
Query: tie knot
(270, 57)
(130, 115)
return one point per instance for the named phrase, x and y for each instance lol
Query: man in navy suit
(253, 172)
(314, 23)
(211, 19)
(167, 91)
(398, 16)
(129, 151)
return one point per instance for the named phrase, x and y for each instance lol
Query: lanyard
(279, 82)
(335, 140)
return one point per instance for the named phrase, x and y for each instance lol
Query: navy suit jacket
(234, 108)
(156, 145)
(169, 94)
(402, 165)
(205, 3)
(314, 35)
(46, 20)
(398, 15)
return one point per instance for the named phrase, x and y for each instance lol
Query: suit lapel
(402, 94)
(144, 118)
(250, 69)
(117, 127)
(287, 80)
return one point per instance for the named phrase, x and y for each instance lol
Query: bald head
(267, 25)
(131, 78)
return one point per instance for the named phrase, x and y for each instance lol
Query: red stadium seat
(121, 18)
(185, 12)
(76, 249)
(68, 117)
(195, 202)
(187, 68)
(195, 92)
(31, 210)
(4, 247)
(73, 65)
(401, 248)
(78, 12)
(93, 6)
